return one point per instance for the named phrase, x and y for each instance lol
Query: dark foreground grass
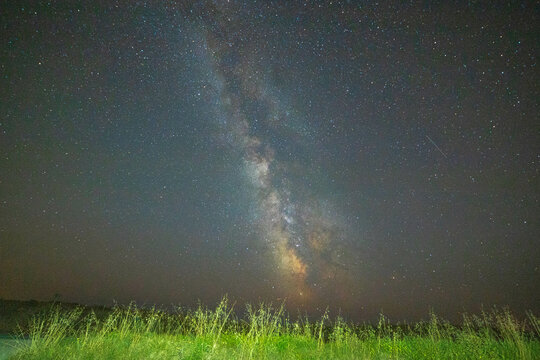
(268, 333)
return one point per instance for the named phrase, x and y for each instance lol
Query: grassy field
(266, 333)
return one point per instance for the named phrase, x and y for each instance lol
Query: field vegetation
(266, 332)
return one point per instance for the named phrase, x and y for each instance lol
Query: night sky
(358, 155)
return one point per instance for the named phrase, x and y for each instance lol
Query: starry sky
(352, 154)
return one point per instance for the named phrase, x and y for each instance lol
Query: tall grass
(267, 332)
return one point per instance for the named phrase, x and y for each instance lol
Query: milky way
(302, 237)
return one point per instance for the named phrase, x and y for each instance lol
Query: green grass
(268, 333)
